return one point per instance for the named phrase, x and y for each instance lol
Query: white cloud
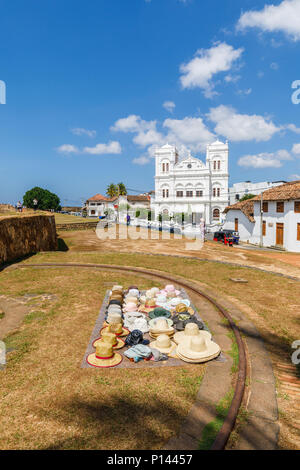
(232, 78)
(244, 92)
(81, 131)
(169, 106)
(284, 17)
(292, 127)
(294, 177)
(143, 160)
(296, 149)
(191, 132)
(265, 160)
(274, 66)
(67, 149)
(207, 63)
(100, 149)
(241, 127)
(146, 132)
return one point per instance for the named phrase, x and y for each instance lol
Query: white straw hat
(198, 349)
(164, 344)
(191, 330)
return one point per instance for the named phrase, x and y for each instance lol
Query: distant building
(97, 205)
(238, 190)
(190, 185)
(279, 225)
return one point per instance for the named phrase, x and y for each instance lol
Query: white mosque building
(191, 186)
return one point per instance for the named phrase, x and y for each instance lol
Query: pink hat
(170, 288)
(130, 307)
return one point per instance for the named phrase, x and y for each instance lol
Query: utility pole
(261, 220)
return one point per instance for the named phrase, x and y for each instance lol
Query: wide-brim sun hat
(130, 307)
(118, 329)
(148, 306)
(139, 324)
(161, 327)
(114, 317)
(191, 331)
(150, 294)
(117, 288)
(134, 292)
(164, 344)
(104, 356)
(154, 321)
(198, 349)
(159, 312)
(118, 344)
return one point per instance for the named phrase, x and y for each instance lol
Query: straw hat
(150, 294)
(104, 356)
(114, 317)
(191, 330)
(198, 349)
(182, 307)
(163, 344)
(148, 307)
(139, 324)
(155, 290)
(130, 307)
(130, 298)
(154, 321)
(110, 338)
(134, 292)
(161, 327)
(116, 328)
(120, 288)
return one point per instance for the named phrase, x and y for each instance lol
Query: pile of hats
(165, 314)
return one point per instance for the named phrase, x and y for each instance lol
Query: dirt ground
(145, 241)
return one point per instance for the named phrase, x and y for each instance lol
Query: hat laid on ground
(134, 292)
(130, 307)
(136, 337)
(139, 324)
(150, 294)
(164, 344)
(110, 338)
(155, 290)
(143, 299)
(175, 301)
(116, 287)
(154, 321)
(182, 319)
(138, 353)
(116, 328)
(191, 330)
(104, 356)
(114, 307)
(161, 299)
(130, 298)
(162, 327)
(159, 312)
(148, 307)
(114, 317)
(198, 349)
(115, 302)
(182, 307)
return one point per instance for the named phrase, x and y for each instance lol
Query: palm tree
(112, 190)
(122, 189)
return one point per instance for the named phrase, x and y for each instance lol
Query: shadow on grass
(61, 245)
(119, 422)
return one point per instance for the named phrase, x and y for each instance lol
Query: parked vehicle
(235, 235)
(223, 237)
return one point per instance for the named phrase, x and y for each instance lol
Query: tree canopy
(46, 199)
(246, 196)
(116, 190)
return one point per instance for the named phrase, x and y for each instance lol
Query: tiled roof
(285, 192)
(247, 207)
(100, 197)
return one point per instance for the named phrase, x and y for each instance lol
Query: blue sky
(92, 87)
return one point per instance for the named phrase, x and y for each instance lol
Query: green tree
(122, 189)
(46, 199)
(246, 196)
(112, 190)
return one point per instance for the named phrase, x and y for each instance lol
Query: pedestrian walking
(35, 204)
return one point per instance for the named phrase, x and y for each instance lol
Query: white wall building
(279, 224)
(191, 186)
(238, 190)
(98, 204)
(240, 218)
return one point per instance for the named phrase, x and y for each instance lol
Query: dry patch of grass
(49, 402)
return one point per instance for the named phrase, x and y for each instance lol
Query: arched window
(219, 165)
(218, 192)
(163, 167)
(214, 192)
(167, 167)
(216, 214)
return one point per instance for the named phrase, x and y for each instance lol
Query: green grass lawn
(72, 219)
